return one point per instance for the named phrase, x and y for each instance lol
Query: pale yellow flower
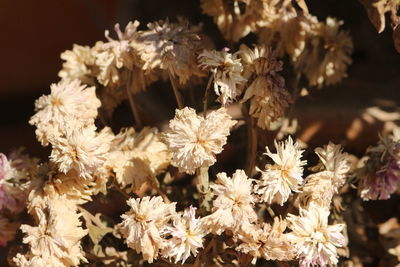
(315, 241)
(233, 207)
(57, 234)
(187, 235)
(81, 149)
(286, 175)
(67, 100)
(144, 224)
(226, 69)
(194, 141)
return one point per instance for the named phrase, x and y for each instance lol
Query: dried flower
(81, 149)
(79, 64)
(278, 180)
(315, 241)
(171, 46)
(268, 94)
(268, 241)
(380, 177)
(68, 99)
(144, 224)
(194, 140)
(227, 70)
(327, 55)
(233, 207)
(333, 168)
(187, 235)
(57, 234)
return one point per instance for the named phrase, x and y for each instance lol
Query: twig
(252, 143)
(178, 96)
(206, 95)
(134, 109)
(295, 93)
(155, 185)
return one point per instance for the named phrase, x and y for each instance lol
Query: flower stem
(251, 143)
(206, 95)
(134, 109)
(178, 96)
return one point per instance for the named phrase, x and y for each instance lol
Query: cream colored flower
(268, 241)
(233, 207)
(137, 157)
(194, 141)
(38, 261)
(171, 46)
(395, 251)
(113, 55)
(267, 92)
(187, 236)
(81, 149)
(79, 64)
(57, 234)
(327, 55)
(333, 168)
(144, 224)
(67, 100)
(315, 241)
(226, 69)
(280, 179)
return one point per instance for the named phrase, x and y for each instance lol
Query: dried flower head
(280, 179)
(194, 141)
(226, 69)
(268, 241)
(327, 55)
(57, 234)
(67, 100)
(113, 55)
(81, 149)
(233, 207)
(315, 241)
(144, 224)
(333, 168)
(380, 176)
(267, 92)
(187, 235)
(171, 46)
(79, 64)
(8, 230)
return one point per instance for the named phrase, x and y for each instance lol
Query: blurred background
(36, 32)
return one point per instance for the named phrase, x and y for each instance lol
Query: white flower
(137, 157)
(57, 234)
(315, 240)
(68, 99)
(227, 73)
(187, 236)
(144, 224)
(278, 180)
(78, 64)
(81, 149)
(194, 140)
(233, 207)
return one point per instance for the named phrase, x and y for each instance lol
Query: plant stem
(178, 96)
(134, 109)
(206, 95)
(252, 142)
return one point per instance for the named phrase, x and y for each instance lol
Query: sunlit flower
(68, 99)
(280, 179)
(57, 234)
(82, 149)
(187, 236)
(144, 224)
(315, 241)
(233, 207)
(194, 140)
(226, 69)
